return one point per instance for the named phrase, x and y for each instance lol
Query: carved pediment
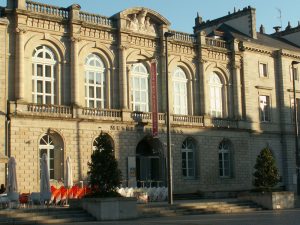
(140, 22)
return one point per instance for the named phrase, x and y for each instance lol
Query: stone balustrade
(94, 18)
(47, 9)
(184, 37)
(104, 114)
(227, 123)
(60, 111)
(215, 43)
(43, 110)
(187, 120)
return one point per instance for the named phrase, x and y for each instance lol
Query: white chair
(4, 201)
(13, 198)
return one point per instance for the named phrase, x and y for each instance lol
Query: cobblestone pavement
(283, 217)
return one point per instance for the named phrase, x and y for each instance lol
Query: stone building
(66, 75)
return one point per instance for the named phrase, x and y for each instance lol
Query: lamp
(296, 127)
(169, 156)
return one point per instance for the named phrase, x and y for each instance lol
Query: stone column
(237, 95)
(19, 66)
(75, 96)
(123, 78)
(108, 89)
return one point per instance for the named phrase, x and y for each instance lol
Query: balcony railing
(181, 36)
(47, 9)
(188, 120)
(94, 18)
(215, 43)
(111, 114)
(60, 111)
(50, 110)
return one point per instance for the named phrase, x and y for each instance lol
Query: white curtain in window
(43, 76)
(139, 88)
(94, 82)
(179, 92)
(188, 158)
(216, 96)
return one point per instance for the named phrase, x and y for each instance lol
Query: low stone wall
(271, 200)
(110, 208)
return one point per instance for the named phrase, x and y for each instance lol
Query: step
(52, 221)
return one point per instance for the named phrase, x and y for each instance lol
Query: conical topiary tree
(266, 175)
(103, 172)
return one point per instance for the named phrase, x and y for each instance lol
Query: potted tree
(266, 177)
(105, 203)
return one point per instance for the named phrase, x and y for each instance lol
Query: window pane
(143, 97)
(40, 55)
(143, 83)
(48, 100)
(39, 99)
(98, 92)
(48, 71)
(184, 172)
(51, 174)
(48, 56)
(91, 77)
(48, 87)
(99, 105)
(40, 86)
(51, 164)
(91, 104)
(98, 78)
(39, 70)
(91, 92)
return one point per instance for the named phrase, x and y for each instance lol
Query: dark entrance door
(150, 166)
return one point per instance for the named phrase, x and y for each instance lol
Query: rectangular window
(264, 108)
(295, 71)
(263, 72)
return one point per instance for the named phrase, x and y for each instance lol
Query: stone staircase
(58, 215)
(195, 207)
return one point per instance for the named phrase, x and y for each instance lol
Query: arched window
(94, 81)
(139, 88)
(224, 159)
(188, 158)
(216, 95)
(51, 144)
(95, 142)
(43, 76)
(180, 92)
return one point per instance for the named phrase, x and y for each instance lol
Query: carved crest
(140, 22)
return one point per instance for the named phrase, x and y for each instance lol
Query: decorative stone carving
(140, 22)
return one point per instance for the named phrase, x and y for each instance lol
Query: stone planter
(271, 200)
(110, 208)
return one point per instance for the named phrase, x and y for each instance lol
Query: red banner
(154, 99)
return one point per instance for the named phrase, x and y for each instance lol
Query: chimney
(198, 20)
(277, 28)
(288, 26)
(262, 29)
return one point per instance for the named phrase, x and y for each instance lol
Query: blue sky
(181, 13)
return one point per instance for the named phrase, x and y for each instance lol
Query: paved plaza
(283, 217)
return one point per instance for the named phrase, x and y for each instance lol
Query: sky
(181, 13)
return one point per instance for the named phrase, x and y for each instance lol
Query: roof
(262, 39)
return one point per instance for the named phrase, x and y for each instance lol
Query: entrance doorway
(150, 163)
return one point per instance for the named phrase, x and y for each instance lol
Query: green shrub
(103, 172)
(266, 175)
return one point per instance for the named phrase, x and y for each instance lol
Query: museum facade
(67, 75)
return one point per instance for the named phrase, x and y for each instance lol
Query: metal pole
(296, 128)
(169, 156)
